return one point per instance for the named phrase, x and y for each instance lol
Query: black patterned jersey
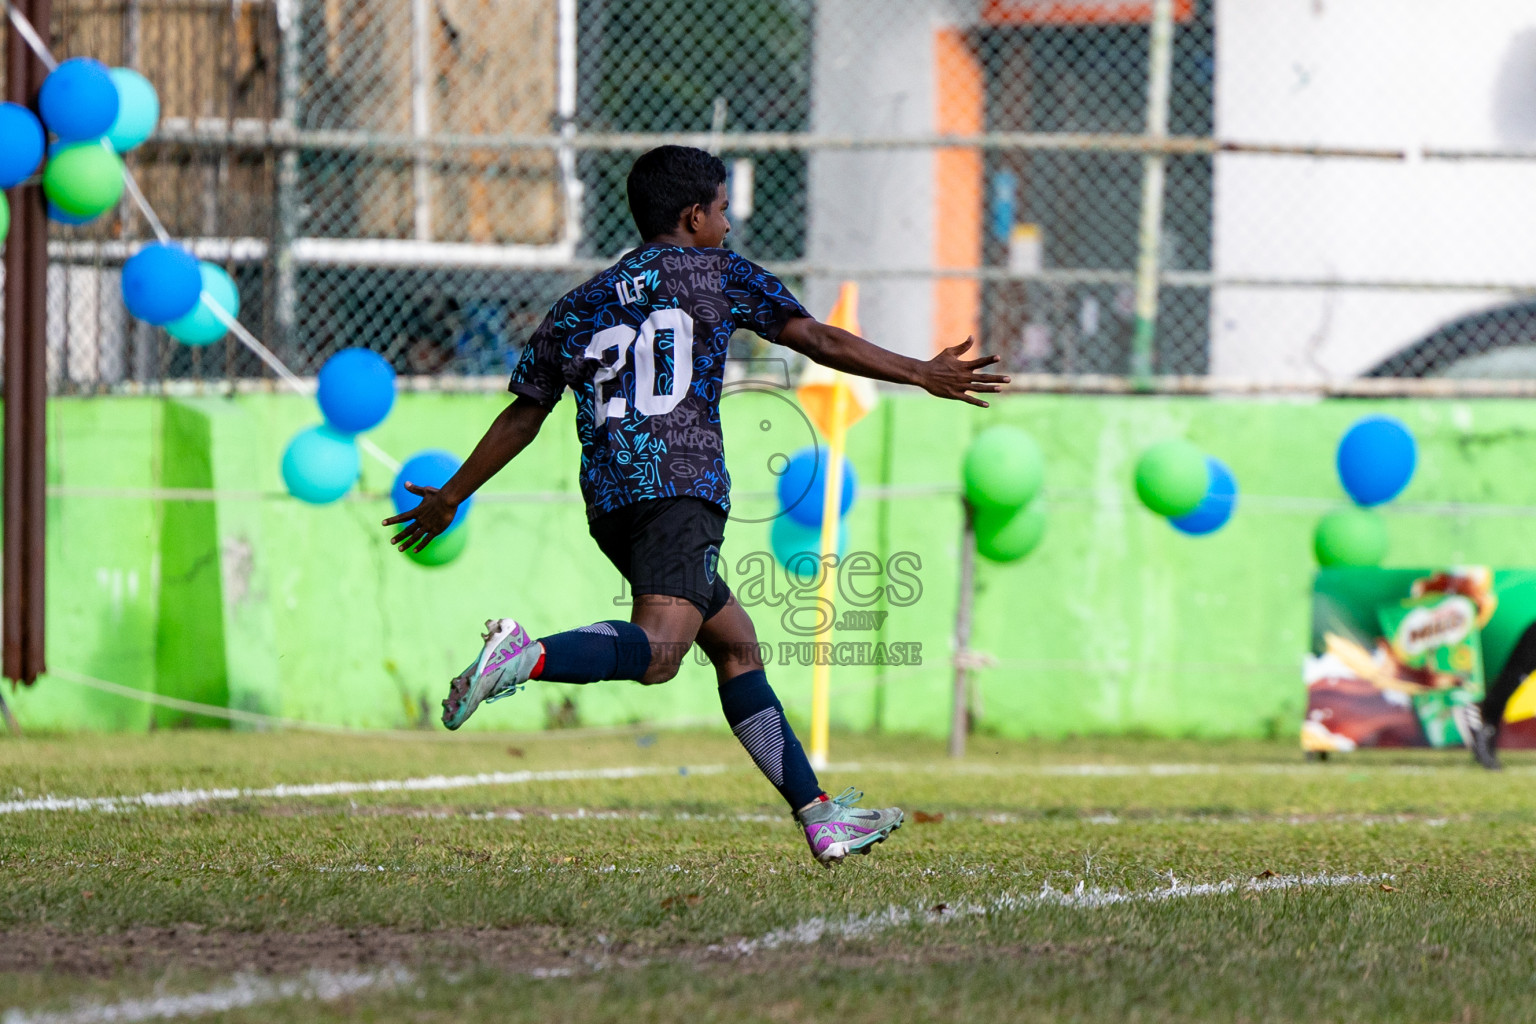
(643, 347)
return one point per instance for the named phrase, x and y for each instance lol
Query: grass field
(657, 878)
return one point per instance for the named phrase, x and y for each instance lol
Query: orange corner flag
(819, 384)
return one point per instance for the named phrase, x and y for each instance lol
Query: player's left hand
(430, 518)
(949, 376)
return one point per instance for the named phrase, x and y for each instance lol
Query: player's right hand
(949, 376)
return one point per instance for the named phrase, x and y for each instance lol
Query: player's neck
(681, 239)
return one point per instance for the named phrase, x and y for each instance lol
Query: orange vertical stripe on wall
(957, 180)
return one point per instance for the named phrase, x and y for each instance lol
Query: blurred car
(1494, 344)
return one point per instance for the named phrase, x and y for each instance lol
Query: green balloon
(443, 548)
(1003, 536)
(1350, 537)
(85, 179)
(1172, 478)
(5, 218)
(1003, 469)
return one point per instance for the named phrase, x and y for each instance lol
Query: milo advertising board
(1400, 656)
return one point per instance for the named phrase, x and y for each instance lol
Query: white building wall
(873, 75)
(1394, 73)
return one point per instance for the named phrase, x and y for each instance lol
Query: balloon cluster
(321, 464)
(96, 114)
(1003, 471)
(1194, 491)
(1376, 460)
(796, 533)
(356, 391)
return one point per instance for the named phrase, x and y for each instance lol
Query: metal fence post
(285, 220)
(960, 720)
(26, 384)
(1154, 167)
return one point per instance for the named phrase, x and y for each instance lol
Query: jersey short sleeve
(760, 302)
(539, 374)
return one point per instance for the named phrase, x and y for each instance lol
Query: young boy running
(643, 347)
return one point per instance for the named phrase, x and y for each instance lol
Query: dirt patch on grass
(193, 947)
(537, 951)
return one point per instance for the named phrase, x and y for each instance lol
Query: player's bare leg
(671, 624)
(834, 827)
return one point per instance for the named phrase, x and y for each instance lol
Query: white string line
(34, 41)
(274, 721)
(245, 337)
(139, 200)
(1253, 504)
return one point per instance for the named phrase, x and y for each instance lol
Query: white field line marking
(243, 990)
(193, 797)
(815, 929)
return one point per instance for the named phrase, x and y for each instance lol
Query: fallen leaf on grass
(1266, 873)
(516, 752)
(693, 899)
(924, 818)
(1387, 888)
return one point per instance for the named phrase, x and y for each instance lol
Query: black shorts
(668, 546)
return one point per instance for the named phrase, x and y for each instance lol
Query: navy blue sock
(758, 721)
(603, 650)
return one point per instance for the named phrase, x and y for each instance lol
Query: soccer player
(643, 347)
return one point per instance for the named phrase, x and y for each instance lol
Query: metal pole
(1154, 164)
(285, 225)
(26, 385)
(566, 155)
(960, 716)
(421, 60)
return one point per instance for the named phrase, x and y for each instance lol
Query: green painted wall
(1116, 624)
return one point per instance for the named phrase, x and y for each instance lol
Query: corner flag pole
(831, 519)
(834, 402)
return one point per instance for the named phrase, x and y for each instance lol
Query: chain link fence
(424, 177)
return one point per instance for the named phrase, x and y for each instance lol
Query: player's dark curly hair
(666, 181)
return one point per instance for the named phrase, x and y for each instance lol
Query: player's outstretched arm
(509, 434)
(945, 375)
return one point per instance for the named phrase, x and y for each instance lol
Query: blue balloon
(201, 327)
(803, 486)
(320, 465)
(62, 217)
(797, 547)
(161, 283)
(1216, 507)
(78, 100)
(430, 468)
(357, 389)
(1376, 459)
(21, 144)
(138, 110)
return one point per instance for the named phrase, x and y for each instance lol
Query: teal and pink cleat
(505, 663)
(834, 828)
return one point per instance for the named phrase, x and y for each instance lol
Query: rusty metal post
(26, 382)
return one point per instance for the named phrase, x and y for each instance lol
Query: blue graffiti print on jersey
(643, 346)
